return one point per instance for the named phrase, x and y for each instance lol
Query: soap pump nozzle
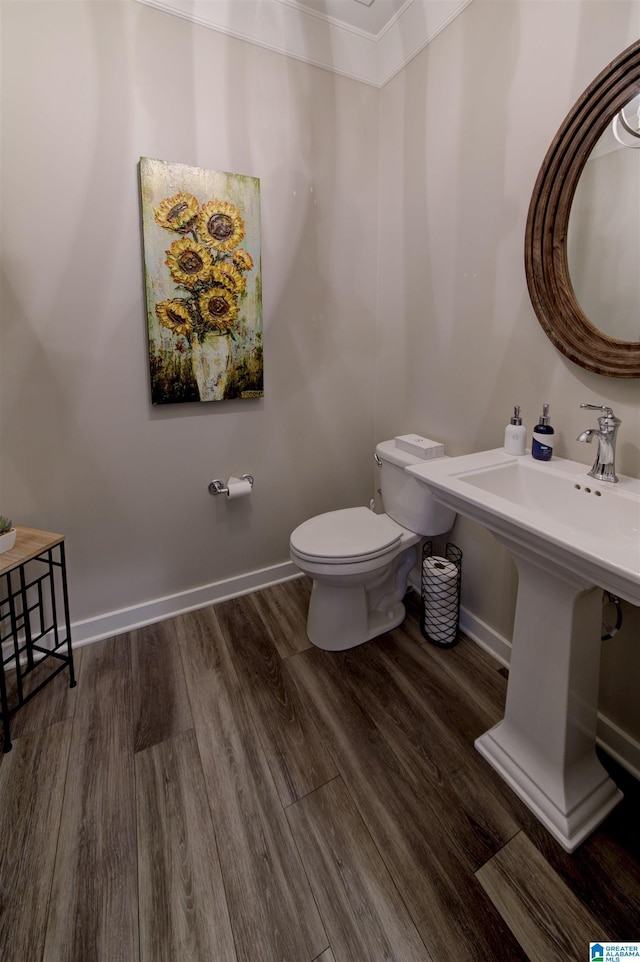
(516, 419)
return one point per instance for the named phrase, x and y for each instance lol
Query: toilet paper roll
(440, 570)
(441, 585)
(238, 488)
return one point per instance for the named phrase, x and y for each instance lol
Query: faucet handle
(599, 407)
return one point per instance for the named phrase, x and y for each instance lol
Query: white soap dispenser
(515, 434)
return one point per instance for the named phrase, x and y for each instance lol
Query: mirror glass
(603, 243)
(582, 242)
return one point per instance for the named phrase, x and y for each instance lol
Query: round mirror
(603, 243)
(575, 326)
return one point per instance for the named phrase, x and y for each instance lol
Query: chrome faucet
(604, 467)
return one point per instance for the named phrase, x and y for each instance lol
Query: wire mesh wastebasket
(440, 596)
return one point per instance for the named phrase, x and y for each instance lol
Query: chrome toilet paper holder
(217, 487)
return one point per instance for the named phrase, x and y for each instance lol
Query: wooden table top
(29, 543)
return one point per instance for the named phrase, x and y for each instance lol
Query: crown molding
(304, 34)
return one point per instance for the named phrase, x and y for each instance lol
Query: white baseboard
(485, 636)
(610, 737)
(149, 612)
(624, 749)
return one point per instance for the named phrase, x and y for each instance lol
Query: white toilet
(360, 561)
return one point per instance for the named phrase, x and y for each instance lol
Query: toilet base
(338, 617)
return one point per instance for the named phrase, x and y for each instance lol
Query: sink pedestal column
(544, 747)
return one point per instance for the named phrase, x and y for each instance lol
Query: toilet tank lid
(389, 451)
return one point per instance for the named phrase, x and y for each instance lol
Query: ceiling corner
(339, 38)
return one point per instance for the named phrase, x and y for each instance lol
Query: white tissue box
(421, 447)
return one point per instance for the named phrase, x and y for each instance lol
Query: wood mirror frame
(546, 263)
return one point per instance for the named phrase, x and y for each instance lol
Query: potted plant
(7, 534)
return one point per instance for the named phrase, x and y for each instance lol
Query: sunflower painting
(201, 232)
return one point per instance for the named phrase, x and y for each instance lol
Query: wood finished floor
(217, 790)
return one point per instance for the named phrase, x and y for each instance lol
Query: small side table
(34, 618)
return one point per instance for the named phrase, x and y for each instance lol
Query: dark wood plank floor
(215, 789)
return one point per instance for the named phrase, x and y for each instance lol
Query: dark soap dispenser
(542, 441)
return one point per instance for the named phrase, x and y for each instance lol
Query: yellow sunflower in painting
(174, 315)
(177, 212)
(242, 259)
(218, 308)
(189, 262)
(226, 275)
(220, 225)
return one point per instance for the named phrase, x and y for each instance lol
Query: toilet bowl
(360, 561)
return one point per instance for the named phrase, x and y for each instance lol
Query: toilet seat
(346, 536)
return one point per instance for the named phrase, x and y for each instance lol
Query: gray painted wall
(394, 291)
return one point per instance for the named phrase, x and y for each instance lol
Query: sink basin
(570, 537)
(592, 527)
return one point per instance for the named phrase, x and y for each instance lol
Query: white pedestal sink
(570, 537)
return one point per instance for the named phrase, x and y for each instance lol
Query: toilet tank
(405, 499)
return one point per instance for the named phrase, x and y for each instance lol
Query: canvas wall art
(201, 233)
